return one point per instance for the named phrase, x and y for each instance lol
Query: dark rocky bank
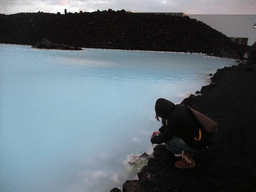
(230, 163)
(118, 30)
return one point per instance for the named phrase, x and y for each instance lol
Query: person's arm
(161, 129)
(156, 134)
(166, 134)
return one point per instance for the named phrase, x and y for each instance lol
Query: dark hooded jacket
(181, 123)
(252, 55)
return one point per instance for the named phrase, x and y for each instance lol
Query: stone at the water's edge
(47, 44)
(115, 190)
(132, 186)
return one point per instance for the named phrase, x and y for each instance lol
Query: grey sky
(186, 6)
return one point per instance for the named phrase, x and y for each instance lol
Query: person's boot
(185, 162)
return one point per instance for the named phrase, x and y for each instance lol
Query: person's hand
(155, 133)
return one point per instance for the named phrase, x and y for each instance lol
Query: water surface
(69, 119)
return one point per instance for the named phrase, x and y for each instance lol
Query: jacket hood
(163, 107)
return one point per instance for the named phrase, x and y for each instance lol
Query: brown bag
(208, 124)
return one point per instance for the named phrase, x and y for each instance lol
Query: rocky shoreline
(230, 163)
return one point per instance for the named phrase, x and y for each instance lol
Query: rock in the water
(47, 44)
(115, 190)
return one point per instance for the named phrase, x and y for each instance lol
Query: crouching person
(251, 59)
(181, 132)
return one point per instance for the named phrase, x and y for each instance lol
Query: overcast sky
(186, 6)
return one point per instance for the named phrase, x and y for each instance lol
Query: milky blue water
(69, 119)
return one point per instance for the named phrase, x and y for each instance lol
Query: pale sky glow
(186, 6)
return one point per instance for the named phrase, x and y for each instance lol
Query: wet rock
(160, 151)
(47, 44)
(142, 172)
(132, 186)
(115, 190)
(144, 155)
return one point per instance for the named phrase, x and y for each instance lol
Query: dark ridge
(118, 30)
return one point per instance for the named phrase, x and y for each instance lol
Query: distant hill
(117, 30)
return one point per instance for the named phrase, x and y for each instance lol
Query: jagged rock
(144, 173)
(144, 155)
(161, 150)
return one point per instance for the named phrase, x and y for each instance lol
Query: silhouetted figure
(181, 132)
(251, 59)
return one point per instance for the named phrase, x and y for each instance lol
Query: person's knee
(175, 145)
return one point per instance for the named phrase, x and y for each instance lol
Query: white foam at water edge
(136, 159)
